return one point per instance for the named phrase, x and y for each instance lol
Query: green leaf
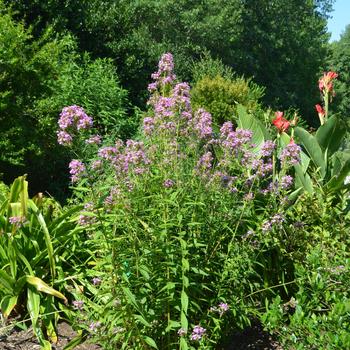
(183, 344)
(6, 282)
(330, 135)
(303, 180)
(313, 149)
(142, 320)
(131, 298)
(41, 286)
(184, 301)
(338, 181)
(7, 305)
(33, 306)
(247, 121)
(80, 338)
(150, 342)
(184, 321)
(47, 237)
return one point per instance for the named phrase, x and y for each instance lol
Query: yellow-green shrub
(220, 96)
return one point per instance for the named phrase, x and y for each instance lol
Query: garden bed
(252, 338)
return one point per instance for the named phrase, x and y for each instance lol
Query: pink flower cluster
(165, 74)
(72, 118)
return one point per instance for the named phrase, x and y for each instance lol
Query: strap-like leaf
(41, 286)
(47, 237)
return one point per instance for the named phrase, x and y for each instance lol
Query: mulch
(251, 338)
(25, 340)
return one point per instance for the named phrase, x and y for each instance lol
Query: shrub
(220, 96)
(317, 314)
(232, 90)
(38, 78)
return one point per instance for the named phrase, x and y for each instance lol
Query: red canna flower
(320, 110)
(280, 122)
(325, 83)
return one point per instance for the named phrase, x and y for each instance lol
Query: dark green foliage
(38, 78)
(281, 43)
(339, 61)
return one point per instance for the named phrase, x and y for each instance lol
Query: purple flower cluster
(148, 125)
(181, 332)
(221, 308)
(168, 183)
(261, 167)
(267, 148)
(197, 333)
(78, 304)
(202, 124)
(226, 129)
(77, 169)
(165, 74)
(181, 95)
(286, 182)
(94, 326)
(204, 164)
(17, 220)
(72, 118)
(96, 281)
(94, 140)
(235, 140)
(114, 195)
(63, 138)
(126, 157)
(276, 220)
(290, 155)
(86, 220)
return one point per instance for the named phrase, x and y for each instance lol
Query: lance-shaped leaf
(47, 237)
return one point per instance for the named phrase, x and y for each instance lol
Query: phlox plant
(177, 222)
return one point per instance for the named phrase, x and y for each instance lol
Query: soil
(25, 340)
(252, 338)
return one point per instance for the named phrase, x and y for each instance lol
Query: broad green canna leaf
(337, 181)
(313, 149)
(331, 134)
(247, 121)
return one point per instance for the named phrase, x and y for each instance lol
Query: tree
(339, 61)
(280, 43)
(38, 78)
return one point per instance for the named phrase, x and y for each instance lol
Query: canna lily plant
(29, 264)
(322, 161)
